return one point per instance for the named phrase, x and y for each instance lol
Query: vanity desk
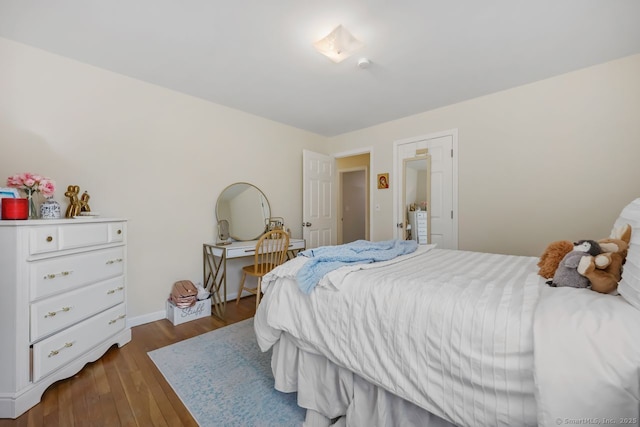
(214, 262)
(243, 214)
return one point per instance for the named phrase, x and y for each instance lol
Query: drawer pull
(54, 275)
(53, 313)
(55, 352)
(119, 231)
(113, 291)
(112, 321)
(49, 238)
(113, 261)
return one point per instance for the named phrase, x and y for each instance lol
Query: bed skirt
(335, 396)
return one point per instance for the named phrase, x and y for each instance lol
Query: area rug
(224, 379)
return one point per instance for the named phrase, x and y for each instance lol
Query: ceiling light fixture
(339, 44)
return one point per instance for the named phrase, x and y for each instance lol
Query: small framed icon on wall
(383, 181)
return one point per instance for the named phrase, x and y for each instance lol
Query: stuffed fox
(604, 271)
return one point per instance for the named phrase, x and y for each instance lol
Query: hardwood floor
(124, 387)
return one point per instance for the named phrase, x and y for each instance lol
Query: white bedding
(450, 331)
(587, 358)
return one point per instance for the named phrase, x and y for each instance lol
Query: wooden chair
(271, 251)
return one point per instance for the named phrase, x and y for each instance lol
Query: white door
(444, 217)
(318, 199)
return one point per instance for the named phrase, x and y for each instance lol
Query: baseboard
(159, 315)
(146, 318)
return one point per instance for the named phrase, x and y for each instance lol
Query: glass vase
(33, 212)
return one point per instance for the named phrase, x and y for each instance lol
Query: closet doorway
(353, 197)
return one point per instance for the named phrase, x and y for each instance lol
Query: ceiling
(257, 55)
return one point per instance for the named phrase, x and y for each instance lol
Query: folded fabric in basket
(183, 294)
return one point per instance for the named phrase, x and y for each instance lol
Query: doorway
(322, 195)
(353, 197)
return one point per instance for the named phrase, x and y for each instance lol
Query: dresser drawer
(58, 312)
(116, 232)
(82, 235)
(240, 252)
(71, 236)
(54, 275)
(68, 345)
(44, 239)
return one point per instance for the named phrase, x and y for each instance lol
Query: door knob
(399, 225)
(306, 224)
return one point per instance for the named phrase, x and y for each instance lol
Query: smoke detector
(364, 63)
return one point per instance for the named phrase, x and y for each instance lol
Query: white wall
(555, 159)
(154, 156)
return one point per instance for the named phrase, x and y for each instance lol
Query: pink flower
(47, 187)
(25, 176)
(32, 183)
(14, 181)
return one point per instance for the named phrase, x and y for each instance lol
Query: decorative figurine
(84, 202)
(74, 203)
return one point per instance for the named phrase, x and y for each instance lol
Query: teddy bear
(604, 271)
(553, 254)
(567, 272)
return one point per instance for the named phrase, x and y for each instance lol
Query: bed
(444, 337)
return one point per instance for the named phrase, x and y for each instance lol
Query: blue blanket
(324, 259)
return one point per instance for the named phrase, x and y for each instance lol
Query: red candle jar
(15, 208)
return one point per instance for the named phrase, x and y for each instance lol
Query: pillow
(629, 286)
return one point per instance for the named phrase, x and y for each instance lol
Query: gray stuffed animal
(567, 272)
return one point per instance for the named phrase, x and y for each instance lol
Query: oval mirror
(245, 208)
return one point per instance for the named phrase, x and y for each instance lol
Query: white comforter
(453, 332)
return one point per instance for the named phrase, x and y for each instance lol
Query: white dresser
(62, 302)
(419, 226)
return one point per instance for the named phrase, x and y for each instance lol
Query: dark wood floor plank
(126, 372)
(102, 406)
(50, 406)
(171, 411)
(111, 360)
(34, 417)
(66, 404)
(95, 415)
(82, 393)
